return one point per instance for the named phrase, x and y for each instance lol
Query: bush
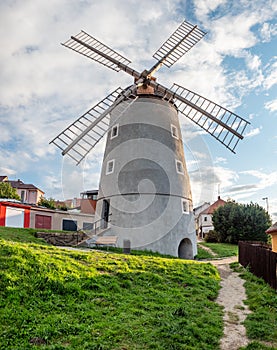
(241, 222)
(211, 237)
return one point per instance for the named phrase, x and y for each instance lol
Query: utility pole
(267, 205)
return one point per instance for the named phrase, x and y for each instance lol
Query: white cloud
(271, 105)
(253, 132)
(267, 31)
(271, 74)
(264, 179)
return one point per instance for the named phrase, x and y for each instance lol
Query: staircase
(96, 233)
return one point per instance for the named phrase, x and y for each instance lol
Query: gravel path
(231, 296)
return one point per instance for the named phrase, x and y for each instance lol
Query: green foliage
(65, 299)
(211, 236)
(48, 203)
(257, 346)
(7, 191)
(241, 222)
(261, 324)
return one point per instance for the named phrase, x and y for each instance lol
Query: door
(14, 217)
(43, 221)
(185, 249)
(105, 213)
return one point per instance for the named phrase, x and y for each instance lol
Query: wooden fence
(260, 260)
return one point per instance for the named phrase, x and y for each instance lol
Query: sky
(45, 87)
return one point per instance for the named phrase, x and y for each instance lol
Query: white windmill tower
(144, 192)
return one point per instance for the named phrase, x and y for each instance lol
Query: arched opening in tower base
(185, 250)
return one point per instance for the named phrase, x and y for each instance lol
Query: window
(87, 226)
(69, 225)
(174, 131)
(22, 196)
(114, 131)
(185, 206)
(205, 218)
(179, 167)
(110, 167)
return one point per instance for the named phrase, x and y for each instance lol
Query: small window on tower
(174, 131)
(179, 167)
(114, 131)
(110, 167)
(185, 206)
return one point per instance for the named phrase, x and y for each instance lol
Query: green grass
(222, 250)
(75, 300)
(23, 235)
(202, 253)
(261, 324)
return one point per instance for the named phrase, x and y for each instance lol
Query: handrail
(101, 221)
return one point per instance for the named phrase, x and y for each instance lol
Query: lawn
(23, 235)
(59, 299)
(222, 250)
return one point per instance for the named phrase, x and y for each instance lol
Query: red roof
(214, 206)
(272, 229)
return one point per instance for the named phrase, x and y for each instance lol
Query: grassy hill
(60, 299)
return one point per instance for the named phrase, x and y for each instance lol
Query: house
(88, 201)
(196, 212)
(203, 219)
(3, 178)
(28, 193)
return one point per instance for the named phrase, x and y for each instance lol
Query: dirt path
(231, 296)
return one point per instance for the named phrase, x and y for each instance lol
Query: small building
(14, 214)
(71, 220)
(204, 222)
(88, 201)
(197, 211)
(273, 232)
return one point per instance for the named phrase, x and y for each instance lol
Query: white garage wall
(14, 217)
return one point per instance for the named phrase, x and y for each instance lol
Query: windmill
(144, 191)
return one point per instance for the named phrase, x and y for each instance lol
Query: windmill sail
(80, 137)
(179, 43)
(224, 125)
(84, 44)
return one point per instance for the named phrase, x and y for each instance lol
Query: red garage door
(43, 221)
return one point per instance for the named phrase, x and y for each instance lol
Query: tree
(48, 203)
(7, 191)
(235, 222)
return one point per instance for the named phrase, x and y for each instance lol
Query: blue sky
(45, 87)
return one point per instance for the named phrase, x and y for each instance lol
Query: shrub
(211, 237)
(241, 222)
